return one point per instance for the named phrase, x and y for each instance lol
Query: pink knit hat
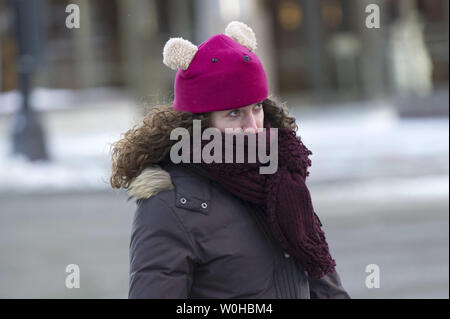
(222, 73)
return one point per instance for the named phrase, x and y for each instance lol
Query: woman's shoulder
(151, 181)
(187, 193)
(179, 186)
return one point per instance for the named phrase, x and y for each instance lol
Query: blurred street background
(371, 104)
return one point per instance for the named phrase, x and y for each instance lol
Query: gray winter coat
(191, 238)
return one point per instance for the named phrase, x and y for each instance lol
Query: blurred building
(315, 49)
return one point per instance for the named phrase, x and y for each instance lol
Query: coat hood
(151, 181)
(166, 175)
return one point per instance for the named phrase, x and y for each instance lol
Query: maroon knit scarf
(284, 196)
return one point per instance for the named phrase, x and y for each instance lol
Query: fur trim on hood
(151, 181)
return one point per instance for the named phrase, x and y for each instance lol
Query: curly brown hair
(148, 142)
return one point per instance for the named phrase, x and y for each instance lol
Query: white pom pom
(178, 53)
(242, 34)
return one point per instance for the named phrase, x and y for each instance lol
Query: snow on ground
(45, 99)
(356, 148)
(79, 163)
(23, 177)
(369, 143)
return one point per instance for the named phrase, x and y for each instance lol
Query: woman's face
(248, 118)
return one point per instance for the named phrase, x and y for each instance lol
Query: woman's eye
(233, 113)
(258, 106)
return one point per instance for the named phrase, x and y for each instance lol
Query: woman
(221, 230)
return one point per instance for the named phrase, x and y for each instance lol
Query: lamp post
(27, 135)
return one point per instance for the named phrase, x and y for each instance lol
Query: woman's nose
(250, 124)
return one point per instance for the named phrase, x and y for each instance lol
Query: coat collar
(149, 182)
(191, 183)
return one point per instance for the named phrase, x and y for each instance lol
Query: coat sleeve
(161, 254)
(327, 287)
